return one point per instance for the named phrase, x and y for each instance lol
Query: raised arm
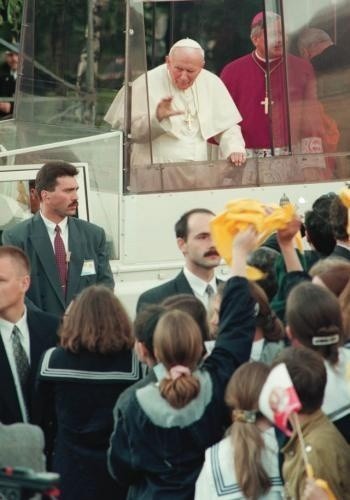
(285, 238)
(294, 269)
(237, 321)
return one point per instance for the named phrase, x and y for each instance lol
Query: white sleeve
(204, 484)
(140, 128)
(140, 121)
(231, 141)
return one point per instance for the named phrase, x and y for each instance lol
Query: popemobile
(165, 106)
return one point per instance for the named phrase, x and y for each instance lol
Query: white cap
(187, 43)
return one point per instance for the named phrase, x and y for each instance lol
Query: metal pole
(127, 101)
(90, 61)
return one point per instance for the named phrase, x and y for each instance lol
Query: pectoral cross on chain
(265, 103)
(188, 120)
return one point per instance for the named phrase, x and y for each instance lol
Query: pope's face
(184, 65)
(274, 41)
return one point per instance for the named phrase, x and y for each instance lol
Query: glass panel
(73, 60)
(73, 67)
(317, 32)
(99, 156)
(200, 108)
(18, 199)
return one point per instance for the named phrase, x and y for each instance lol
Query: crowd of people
(168, 407)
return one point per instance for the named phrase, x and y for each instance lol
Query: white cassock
(208, 111)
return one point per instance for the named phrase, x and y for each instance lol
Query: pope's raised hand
(165, 109)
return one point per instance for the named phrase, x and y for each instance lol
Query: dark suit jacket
(43, 335)
(340, 252)
(86, 241)
(173, 287)
(7, 85)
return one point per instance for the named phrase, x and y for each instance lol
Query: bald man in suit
(25, 334)
(194, 240)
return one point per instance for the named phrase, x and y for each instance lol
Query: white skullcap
(187, 43)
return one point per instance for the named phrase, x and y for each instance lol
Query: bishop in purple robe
(288, 117)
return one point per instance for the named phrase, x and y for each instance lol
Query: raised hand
(285, 236)
(165, 109)
(245, 241)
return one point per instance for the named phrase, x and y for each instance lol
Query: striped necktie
(21, 358)
(210, 294)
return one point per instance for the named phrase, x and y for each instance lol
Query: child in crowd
(314, 319)
(326, 449)
(269, 338)
(162, 430)
(245, 463)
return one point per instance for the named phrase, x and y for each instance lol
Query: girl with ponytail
(244, 465)
(314, 320)
(163, 429)
(178, 345)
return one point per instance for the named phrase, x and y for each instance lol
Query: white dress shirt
(6, 328)
(50, 226)
(199, 286)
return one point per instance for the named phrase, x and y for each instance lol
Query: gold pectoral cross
(266, 103)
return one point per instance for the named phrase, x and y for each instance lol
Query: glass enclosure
(96, 158)
(293, 102)
(76, 56)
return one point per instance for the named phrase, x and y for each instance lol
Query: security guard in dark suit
(8, 77)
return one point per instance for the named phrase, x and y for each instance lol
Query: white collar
(262, 59)
(6, 327)
(198, 285)
(343, 245)
(52, 225)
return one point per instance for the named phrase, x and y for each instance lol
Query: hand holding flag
(279, 402)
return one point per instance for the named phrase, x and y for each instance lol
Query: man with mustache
(197, 277)
(66, 254)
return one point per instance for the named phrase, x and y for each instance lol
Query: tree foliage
(11, 15)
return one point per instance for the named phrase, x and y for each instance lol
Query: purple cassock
(246, 80)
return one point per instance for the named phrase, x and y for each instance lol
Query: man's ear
(26, 282)
(253, 40)
(141, 351)
(182, 245)
(304, 53)
(44, 195)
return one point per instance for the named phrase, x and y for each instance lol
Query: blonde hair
(242, 393)
(178, 341)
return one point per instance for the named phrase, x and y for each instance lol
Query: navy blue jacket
(159, 450)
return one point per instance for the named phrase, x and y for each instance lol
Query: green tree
(11, 16)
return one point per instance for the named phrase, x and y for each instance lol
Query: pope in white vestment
(187, 106)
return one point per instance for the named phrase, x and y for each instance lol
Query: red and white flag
(278, 398)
